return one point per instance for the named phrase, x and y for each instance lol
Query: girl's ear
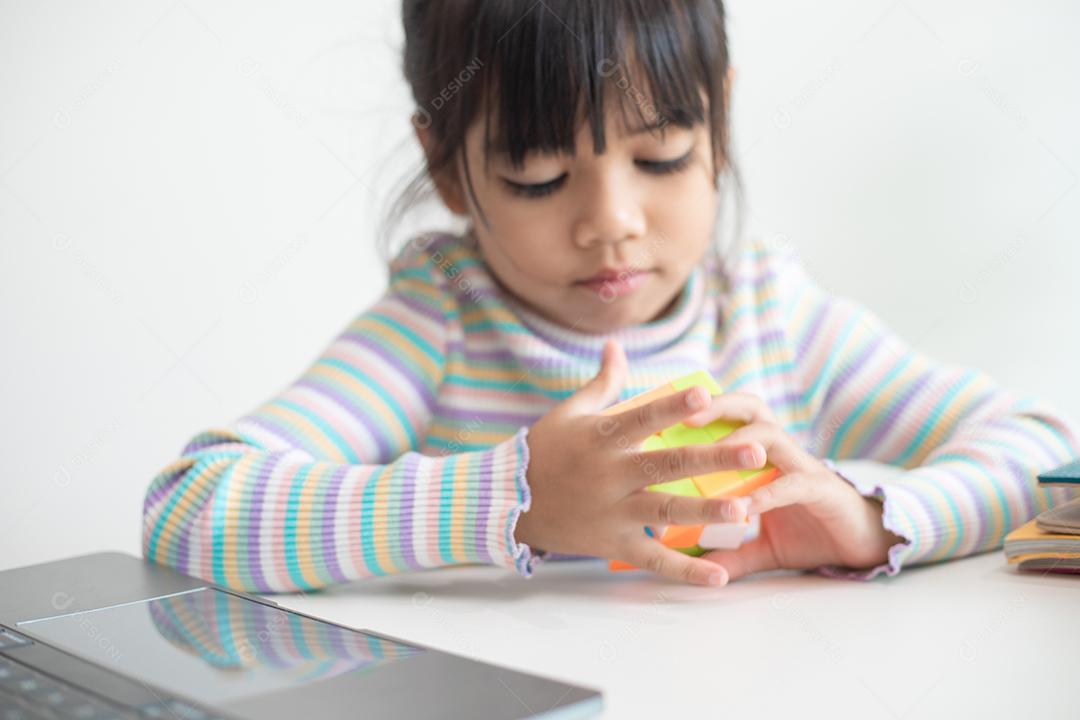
(446, 181)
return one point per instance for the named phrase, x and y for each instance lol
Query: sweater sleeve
(323, 483)
(970, 450)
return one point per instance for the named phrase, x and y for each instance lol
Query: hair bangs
(555, 65)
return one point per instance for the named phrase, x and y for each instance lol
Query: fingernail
(742, 507)
(696, 400)
(717, 578)
(728, 511)
(748, 458)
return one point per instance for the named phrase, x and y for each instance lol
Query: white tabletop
(970, 638)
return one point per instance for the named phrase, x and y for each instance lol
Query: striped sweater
(403, 446)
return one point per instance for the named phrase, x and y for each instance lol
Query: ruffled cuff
(519, 555)
(890, 519)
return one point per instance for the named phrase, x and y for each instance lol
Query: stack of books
(1050, 542)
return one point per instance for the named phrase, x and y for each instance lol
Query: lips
(613, 283)
(613, 275)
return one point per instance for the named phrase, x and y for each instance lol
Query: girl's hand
(587, 475)
(810, 516)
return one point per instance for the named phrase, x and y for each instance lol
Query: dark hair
(538, 70)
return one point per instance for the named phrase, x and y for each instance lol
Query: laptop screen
(225, 646)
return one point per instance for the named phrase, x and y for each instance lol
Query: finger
(736, 406)
(790, 489)
(674, 565)
(780, 448)
(657, 466)
(603, 388)
(640, 422)
(657, 508)
(754, 556)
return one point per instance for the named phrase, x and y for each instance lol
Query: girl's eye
(663, 167)
(656, 167)
(535, 190)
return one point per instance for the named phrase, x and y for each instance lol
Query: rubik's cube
(696, 539)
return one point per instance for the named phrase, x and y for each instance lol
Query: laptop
(109, 635)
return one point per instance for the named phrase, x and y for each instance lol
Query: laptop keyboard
(28, 694)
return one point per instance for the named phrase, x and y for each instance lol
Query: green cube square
(682, 486)
(654, 442)
(679, 435)
(720, 429)
(699, 377)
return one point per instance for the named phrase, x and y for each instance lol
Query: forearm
(274, 521)
(970, 491)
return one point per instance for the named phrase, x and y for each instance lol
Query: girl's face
(642, 212)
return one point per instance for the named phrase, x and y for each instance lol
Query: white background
(190, 193)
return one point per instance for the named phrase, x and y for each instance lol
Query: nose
(609, 212)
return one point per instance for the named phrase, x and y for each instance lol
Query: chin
(612, 322)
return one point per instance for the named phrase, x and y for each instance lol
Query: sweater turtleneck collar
(680, 336)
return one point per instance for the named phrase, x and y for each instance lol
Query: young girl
(456, 420)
